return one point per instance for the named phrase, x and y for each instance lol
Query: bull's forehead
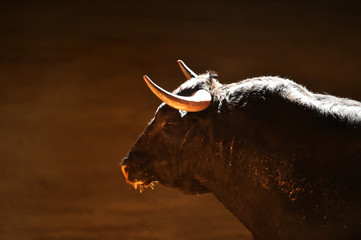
(160, 107)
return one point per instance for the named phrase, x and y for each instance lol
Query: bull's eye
(168, 124)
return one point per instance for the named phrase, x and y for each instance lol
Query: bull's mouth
(139, 184)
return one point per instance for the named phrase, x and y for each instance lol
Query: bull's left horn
(198, 102)
(186, 70)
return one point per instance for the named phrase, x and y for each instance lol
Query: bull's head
(171, 147)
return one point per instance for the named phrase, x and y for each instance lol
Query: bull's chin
(192, 187)
(141, 184)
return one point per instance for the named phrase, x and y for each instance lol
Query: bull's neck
(244, 189)
(238, 172)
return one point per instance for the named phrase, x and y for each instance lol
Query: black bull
(285, 161)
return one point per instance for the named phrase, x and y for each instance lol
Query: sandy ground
(72, 102)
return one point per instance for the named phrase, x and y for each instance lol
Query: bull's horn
(198, 102)
(186, 70)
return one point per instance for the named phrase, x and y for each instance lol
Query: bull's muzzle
(130, 176)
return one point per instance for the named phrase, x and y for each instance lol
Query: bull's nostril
(124, 161)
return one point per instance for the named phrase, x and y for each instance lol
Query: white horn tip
(146, 78)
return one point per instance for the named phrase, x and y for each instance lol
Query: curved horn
(186, 70)
(198, 102)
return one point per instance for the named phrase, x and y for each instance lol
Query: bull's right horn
(198, 102)
(186, 70)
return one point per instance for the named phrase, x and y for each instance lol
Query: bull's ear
(182, 113)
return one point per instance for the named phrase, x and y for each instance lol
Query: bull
(285, 161)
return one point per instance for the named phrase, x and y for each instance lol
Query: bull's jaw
(138, 184)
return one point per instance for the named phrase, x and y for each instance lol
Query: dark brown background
(72, 101)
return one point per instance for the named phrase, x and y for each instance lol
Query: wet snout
(136, 171)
